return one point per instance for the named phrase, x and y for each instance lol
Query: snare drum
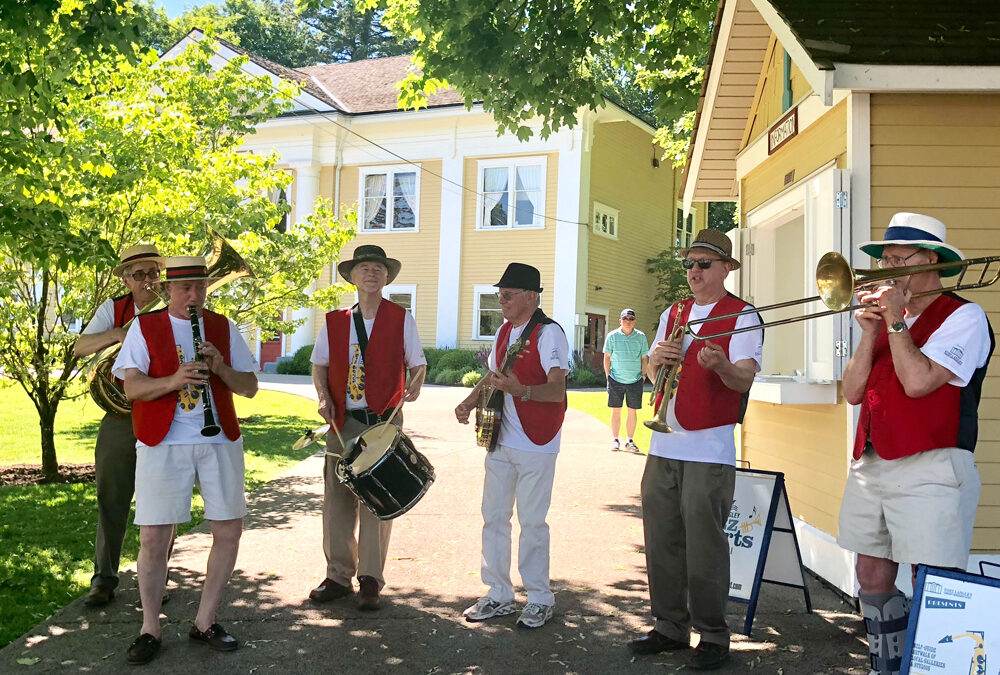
(385, 471)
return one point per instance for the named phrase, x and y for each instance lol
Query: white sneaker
(488, 608)
(534, 615)
(631, 446)
(615, 446)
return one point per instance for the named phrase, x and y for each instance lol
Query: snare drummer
(360, 386)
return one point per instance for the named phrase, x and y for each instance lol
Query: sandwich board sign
(762, 542)
(954, 624)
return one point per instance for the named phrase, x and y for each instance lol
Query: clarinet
(209, 428)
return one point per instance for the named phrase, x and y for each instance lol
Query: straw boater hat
(136, 254)
(370, 253)
(716, 242)
(914, 229)
(519, 275)
(186, 268)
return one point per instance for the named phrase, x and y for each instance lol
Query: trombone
(838, 283)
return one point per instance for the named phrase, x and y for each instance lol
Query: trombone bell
(835, 281)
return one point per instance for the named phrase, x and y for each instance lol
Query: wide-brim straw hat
(715, 241)
(370, 253)
(920, 231)
(136, 254)
(186, 268)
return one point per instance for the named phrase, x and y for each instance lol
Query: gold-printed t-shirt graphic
(356, 375)
(189, 397)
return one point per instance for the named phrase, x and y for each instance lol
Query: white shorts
(916, 509)
(166, 474)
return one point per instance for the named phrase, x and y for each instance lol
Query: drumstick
(399, 405)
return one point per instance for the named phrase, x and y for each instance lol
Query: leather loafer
(654, 643)
(368, 599)
(329, 590)
(143, 650)
(99, 595)
(709, 656)
(215, 637)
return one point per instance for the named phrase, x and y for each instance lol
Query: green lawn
(595, 403)
(44, 567)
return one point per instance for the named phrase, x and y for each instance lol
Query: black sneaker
(143, 650)
(709, 656)
(215, 637)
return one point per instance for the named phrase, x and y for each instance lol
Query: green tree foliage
(528, 58)
(349, 33)
(671, 280)
(722, 216)
(153, 154)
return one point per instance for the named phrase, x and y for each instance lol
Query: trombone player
(917, 374)
(687, 486)
(114, 454)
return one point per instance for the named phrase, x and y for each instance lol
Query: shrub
(298, 364)
(471, 378)
(433, 355)
(448, 376)
(462, 359)
(586, 378)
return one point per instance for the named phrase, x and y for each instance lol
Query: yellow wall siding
(940, 155)
(486, 253)
(645, 198)
(822, 141)
(417, 251)
(768, 106)
(808, 444)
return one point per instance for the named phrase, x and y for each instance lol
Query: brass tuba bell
(224, 265)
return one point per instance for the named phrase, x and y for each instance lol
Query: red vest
(541, 420)
(702, 400)
(897, 424)
(151, 420)
(385, 370)
(124, 309)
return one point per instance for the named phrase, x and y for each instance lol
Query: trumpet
(665, 383)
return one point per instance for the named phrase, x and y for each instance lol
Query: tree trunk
(46, 424)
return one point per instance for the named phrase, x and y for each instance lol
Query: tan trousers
(350, 554)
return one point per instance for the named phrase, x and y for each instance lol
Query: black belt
(368, 416)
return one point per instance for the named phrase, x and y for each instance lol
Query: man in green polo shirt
(624, 362)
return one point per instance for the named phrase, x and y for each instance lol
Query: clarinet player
(169, 387)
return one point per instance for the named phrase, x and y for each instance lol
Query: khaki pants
(114, 466)
(684, 510)
(349, 555)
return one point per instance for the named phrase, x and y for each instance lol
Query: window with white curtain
(487, 317)
(512, 193)
(389, 199)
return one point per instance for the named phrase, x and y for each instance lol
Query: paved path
(598, 573)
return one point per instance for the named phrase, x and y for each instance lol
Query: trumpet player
(168, 384)
(687, 486)
(917, 375)
(114, 454)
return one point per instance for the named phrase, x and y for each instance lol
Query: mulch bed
(31, 474)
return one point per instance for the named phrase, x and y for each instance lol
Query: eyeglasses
(142, 275)
(507, 296)
(895, 260)
(703, 263)
(628, 318)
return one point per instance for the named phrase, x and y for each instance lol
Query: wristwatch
(526, 396)
(897, 327)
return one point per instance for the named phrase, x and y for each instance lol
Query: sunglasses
(704, 263)
(628, 318)
(141, 275)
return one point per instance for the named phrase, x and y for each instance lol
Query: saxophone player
(167, 385)
(114, 454)
(687, 486)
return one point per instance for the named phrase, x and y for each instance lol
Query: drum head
(374, 442)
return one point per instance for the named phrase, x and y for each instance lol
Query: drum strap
(359, 326)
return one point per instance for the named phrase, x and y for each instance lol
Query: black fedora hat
(519, 275)
(370, 253)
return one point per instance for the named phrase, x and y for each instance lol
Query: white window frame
(511, 163)
(403, 288)
(477, 291)
(683, 236)
(605, 211)
(389, 171)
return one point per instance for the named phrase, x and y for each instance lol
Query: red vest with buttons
(385, 370)
(541, 420)
(702, 400)
(897, 424)
(151, 420)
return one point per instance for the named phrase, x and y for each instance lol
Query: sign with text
(762, 542)
(783, 131)
(954, 624)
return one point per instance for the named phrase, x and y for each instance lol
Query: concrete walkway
(597, 567)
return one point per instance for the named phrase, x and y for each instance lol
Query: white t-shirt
(961, 343)
(553, 352)
(716, 445)
(413, 356)
(104, 318)
(189, 416)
